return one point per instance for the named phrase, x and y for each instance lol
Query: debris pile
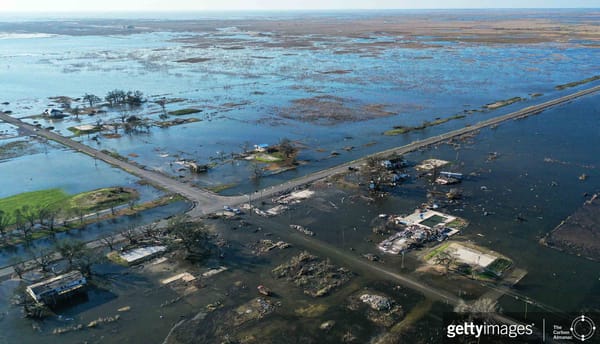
(315, 276)
(254, 309)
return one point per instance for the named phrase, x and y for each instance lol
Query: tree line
(117, 97)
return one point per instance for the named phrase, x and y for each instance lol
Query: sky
(235, 5)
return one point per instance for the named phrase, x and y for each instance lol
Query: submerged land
(349, 177)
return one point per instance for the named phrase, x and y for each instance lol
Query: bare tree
(445, 259)
(163, 102)
(286, 148)
(257, 171)
(27, 235)
(80, 213)
(43, 258)
(130, 235)
(4, 223)
(70, 250)
(29, 214)
(86, 259)
(91, 99)
(53, 213)
(109, 241)
(20, 222)
(123, 115)
(18, 265)
(132, 203)
(76, 111)
(193, 236)
(151, 231)
(42, 212)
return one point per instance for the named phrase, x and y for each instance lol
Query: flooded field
(333, 94)
(313, 271)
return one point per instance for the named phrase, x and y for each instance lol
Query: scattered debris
(294, 197)
(184, 276)
(104, 320)
(376, 302)
(431, 164)
(316, 276)
(372, 257)
(61, 330)
(302, 230)
(254, 309)
(267, 245)
(381, 309)
(264, 290)
(213, 272)
(328, 325)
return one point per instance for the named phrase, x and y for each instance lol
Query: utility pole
(402, 265)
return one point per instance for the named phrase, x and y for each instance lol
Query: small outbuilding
(261, 147)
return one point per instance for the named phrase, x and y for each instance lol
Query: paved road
(530, 110)
(207, 202)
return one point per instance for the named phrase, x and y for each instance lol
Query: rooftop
(59, 284)
(137, 254)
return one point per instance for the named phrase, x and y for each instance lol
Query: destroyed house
(55, 289)
(393, 163)
(454, 175)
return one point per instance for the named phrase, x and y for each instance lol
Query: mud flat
(580, 233)
(331, 110)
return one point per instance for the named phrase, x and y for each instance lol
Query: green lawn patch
(398, 130)
(35, 199)
(89, 201)
(457, 223)
(436, 251)
(114, 257)
(182, 112)
(502, 103)
(268, 158)
(94, 200)
(498, 266)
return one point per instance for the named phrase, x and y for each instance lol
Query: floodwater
(243, 93)
(518, 182)
(248, 82)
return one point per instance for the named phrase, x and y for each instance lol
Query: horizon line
(291, 9)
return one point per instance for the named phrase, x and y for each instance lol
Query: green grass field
(182, 112)
(44, 198)
(434, 252)
(58, 199)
